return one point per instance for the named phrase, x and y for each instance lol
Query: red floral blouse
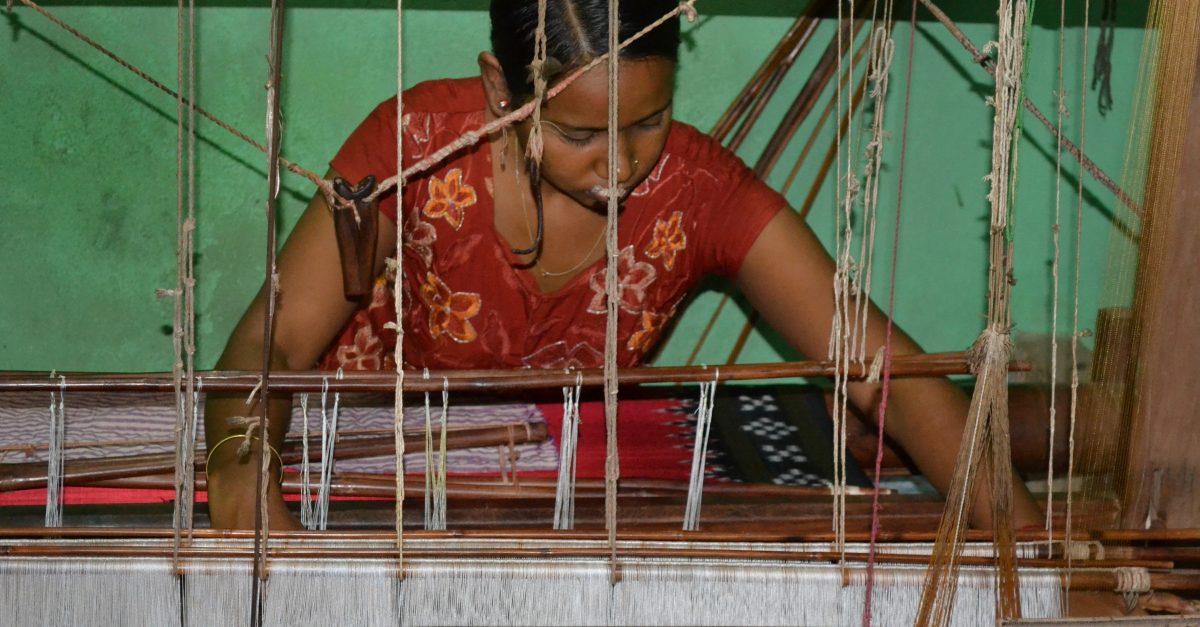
(467, 306)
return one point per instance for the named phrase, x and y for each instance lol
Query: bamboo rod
(29, 475)
(795, 518)
(384, 486)
(807, 98)
(641, 535)
(772, 85)
(758, 89)
(802, 107)
(235, 381)
(1093, 574)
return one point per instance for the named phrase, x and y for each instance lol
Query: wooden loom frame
(933, 365)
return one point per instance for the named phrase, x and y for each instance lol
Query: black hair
(576, 33)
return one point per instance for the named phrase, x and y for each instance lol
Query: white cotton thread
(1132, 583)
(188, 497)
(704, 412)
(438, 516)
(329, 427)
(54, 464)
(564, 493)
(428, 456)
(306, 504)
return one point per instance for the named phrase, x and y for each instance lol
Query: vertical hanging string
(1102, 70)
(986, 442)
(306, 505)
(428, 456)
(189, 461)
(564, 492)
(1068, 524)
(54, 463)
(329, 428)
(439, 471)
(184, 322)
(435, 467)
(704, 413)
(398, 294)
(1060, 97)
(841, 326)
(274, 131)
(611, 462)
(886, 366)
(537, 71)
(177, 330)
(189, 283)
(883, 49)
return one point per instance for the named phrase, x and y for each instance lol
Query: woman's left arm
(788, 277)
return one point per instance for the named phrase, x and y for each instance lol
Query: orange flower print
(366, 353)
(449, 198)
(644, 338)
(669, 240)
(450, 312)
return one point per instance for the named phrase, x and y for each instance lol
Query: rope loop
(688, 8)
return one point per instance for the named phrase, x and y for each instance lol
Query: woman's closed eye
(580, 137)
(652, 123)
(584, 137)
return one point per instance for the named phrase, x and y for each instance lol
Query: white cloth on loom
(487, 592)
(150, 419)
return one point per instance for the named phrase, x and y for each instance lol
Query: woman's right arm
(310, 309)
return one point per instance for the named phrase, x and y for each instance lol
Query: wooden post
(1160, 487)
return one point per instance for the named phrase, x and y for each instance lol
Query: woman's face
(575, 129)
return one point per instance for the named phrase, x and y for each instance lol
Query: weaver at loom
(490, 270)
(502, 240)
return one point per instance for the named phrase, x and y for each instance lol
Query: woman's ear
(495, 88)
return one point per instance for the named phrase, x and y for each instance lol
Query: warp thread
(704, 414)
(564, 492)
(306, 505)
(329, 428)
(55, 450)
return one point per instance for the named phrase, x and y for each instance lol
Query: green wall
(87, 204)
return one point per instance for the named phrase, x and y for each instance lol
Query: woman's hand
(788, 277)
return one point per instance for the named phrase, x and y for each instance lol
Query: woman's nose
(626, 163)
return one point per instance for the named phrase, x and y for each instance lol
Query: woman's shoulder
(688, 145)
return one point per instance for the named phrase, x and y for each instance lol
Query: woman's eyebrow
(598, 129)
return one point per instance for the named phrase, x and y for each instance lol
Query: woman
(483, 291)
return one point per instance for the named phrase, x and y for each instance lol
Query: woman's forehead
(645, 87)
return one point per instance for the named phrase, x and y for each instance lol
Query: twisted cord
(612, 466)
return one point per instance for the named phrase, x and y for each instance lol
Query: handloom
(628, 551)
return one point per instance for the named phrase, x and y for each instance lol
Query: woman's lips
(600, 193)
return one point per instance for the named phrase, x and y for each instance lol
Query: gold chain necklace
(529, 231)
